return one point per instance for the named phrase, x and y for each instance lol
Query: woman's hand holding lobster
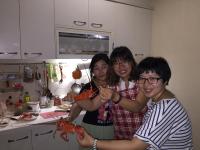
(84, 139)
(107, 94)
(70, 96)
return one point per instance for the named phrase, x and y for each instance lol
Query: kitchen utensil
(61, 110)
(54, 74)
(43, 101)
(28, 74)
(35, 107)
(37, 74)
(61, 74)
(76, 88)
(3, 109)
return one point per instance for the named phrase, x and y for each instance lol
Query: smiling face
(151, 84)
(122, 68)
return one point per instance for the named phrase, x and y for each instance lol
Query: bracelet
(95, 144)
(120, 98)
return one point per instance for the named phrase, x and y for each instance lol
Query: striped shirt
(166, 126)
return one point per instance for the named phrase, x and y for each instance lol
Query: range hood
(146, 4)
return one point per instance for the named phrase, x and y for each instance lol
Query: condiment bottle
(57, 101)
(26, 97)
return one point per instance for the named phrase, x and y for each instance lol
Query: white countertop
(17, 124)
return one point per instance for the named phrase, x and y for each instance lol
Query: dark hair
(155, 64)
(95, 59)
(121, 53)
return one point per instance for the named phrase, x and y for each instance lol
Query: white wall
(176, 36)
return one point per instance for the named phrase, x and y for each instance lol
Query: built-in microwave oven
(73, 43)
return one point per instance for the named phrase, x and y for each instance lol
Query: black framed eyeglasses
(151, 80)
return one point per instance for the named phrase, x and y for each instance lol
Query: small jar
(43, 102)
(57, 101)
(51, 103)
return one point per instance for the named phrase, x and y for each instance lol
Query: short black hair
(121, 53)
(96, 58)
(159, 65)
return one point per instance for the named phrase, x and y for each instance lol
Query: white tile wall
(57, 88)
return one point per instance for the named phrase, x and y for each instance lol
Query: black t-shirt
(103, 115)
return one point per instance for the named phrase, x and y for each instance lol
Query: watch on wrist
(94, 146)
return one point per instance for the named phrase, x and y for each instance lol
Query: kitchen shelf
(5, 90)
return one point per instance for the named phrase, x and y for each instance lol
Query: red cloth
(125, 122)
(52, 114)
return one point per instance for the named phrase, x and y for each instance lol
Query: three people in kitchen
(166, 124)
(123, 65)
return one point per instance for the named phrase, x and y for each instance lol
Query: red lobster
(67, 127)
(87, 94)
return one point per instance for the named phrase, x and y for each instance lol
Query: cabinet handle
(80, 23)
(8, 53)
(32, 53)
(48, 132)
(10, 141)
(26, 137)
(96, 25)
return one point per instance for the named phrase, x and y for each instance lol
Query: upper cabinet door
(133, 29)
(71, 13)
(84, 14)
(9, 30)
(37, 29)
(101, 15)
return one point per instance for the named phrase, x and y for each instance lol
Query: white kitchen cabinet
(133, 29)
(73, 142)
(101, 14)
(9, 29)
(37, 29)
(42, 138)
(83, 14)
(71, 13)
(19, 138)
(129, 25)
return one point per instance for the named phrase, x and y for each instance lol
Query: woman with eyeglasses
(166, 124)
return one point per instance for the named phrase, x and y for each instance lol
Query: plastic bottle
(21, 98)
(26, 97)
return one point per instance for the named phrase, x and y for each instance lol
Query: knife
(60, 110)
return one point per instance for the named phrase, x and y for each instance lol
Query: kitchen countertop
(39, 120)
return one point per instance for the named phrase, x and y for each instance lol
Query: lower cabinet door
(19, 138)
(43, 138)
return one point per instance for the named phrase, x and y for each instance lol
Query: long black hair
(121, 53)
(95, 59)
